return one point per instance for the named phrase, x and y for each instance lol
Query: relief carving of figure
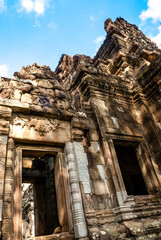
(40, 125)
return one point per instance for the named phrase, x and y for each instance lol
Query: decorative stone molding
(5, 114)
(79, 124)
(80, 228)
(82, 163)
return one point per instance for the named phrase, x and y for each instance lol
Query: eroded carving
(42, 126)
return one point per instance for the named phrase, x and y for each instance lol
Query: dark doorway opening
(39, 203)
(130, 169)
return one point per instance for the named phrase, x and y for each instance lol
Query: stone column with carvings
(80, 228)
(8, 193)
(3, 150)
(82, 164)
(5, 114)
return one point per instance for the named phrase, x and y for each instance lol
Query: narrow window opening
(39, 203)
(130, 169)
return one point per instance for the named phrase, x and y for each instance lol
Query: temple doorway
(41, 205)
(39, 202)
(130, 168)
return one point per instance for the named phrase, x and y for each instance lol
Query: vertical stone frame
(7, 222)
(112, 178)
(3, 152)
(17, 219)
(121, 191)
(63, 202)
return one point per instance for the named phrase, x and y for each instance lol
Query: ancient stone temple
(80, 148)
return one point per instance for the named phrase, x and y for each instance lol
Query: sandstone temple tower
(80, 148)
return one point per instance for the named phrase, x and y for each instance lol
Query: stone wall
(79, 114)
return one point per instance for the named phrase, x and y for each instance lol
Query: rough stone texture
(126, 50)
(27, 211)
(102, 105)
(82, 165)
(66, 236)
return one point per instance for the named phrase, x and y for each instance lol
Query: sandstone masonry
(87, 141)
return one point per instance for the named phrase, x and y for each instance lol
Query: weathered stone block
(135, 227)
(5, 112)
(99, 187)
(3, 139)
(17, 94)
(3, 150)
(26, 98)
(94, 174)
(44, 83)
(93, 135)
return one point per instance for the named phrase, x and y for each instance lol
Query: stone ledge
(65, 236)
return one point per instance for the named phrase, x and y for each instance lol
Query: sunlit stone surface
(80, 148)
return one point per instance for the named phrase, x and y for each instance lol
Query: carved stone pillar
(3, 148)
(82, 163)
(8, 193)
(5, 114)
(80, 228)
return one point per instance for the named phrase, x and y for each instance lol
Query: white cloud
(99, 40)
(153, 11)
(3, 6)
(157, 38)
(4, 70)
(28, 5)
(37, 6)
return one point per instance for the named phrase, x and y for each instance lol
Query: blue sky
(42, 30)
